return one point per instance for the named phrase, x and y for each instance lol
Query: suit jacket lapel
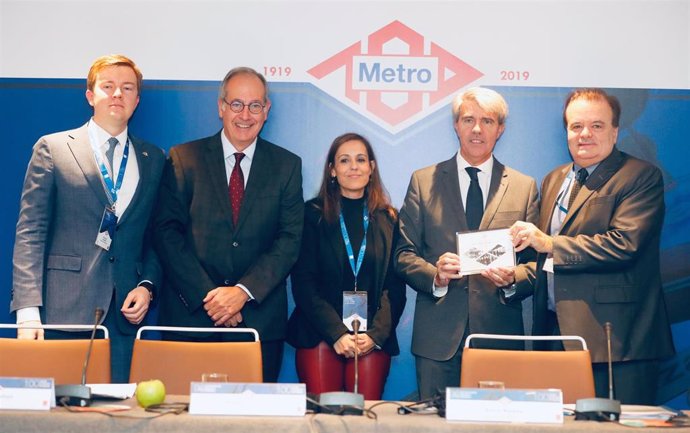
(143, 166)
(259, 175)
(600, 176)
(497, 189)
(550, 194)
(452, 198)
(80, 146)
(216, 172)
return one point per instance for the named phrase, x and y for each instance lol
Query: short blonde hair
(487, 99)
(112, 60)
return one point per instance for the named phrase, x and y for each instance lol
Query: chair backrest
(178, 363)
(569, 371)
(63, 360)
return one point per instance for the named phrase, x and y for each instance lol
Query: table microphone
(341, 402)
(80, 395)
(601, 409)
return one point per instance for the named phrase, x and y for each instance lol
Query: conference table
(61, 420)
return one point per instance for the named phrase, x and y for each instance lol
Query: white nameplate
(26, 393)
(249, 399)
(543, 406)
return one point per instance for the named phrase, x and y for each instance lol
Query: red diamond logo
(394, 75)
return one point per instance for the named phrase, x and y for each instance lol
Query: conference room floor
(60, 420)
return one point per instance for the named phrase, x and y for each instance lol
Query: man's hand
(447, 268)
(223, 303)
(501, 277)
(136, 305)
(233, 321)
(528, 235)
(30, 333)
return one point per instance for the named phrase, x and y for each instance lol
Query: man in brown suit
(440, 202)
(599, 261)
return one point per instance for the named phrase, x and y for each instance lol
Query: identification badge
(106, 231)
(355, 307)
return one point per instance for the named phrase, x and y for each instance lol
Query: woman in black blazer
(325, 346)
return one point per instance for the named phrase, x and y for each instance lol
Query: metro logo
(394, 75)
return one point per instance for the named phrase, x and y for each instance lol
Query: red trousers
(323, 370)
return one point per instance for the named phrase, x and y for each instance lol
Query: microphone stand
(346, 403)
(79, 395)
(601, 409)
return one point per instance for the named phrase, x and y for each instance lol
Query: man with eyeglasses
(228, 225)
(598, 238)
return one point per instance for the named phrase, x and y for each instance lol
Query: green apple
(150, 392)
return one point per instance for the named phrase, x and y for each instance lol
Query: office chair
(570, 371)
(63, 360)
(177, 363)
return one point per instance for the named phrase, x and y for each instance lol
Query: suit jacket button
(111, 259)
(226, 282)
(235, 244)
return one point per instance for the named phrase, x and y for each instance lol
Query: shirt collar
(102, 136)
(229, 149)
(485, 167)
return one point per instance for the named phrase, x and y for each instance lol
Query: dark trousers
(634, 382)
(323, 370)
(120, 344)
(271, 351)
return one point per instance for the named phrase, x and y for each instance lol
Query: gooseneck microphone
(601, 409)
(99, 315)
(80, 395)
(607, 329)
(341, 402)
(355, 326)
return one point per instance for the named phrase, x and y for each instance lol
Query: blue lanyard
(111, 189)
(348, 245)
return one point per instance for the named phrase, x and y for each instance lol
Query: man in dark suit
(229, 224)
(470, 191)
(85, 207)
(599, 261)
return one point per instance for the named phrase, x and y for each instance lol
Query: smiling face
(591, 134)
(242, 128)
(114, 98)
(352, 168)
(478, 131)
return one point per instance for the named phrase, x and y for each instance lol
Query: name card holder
(26, 393)
(539, 406)
(248, 399)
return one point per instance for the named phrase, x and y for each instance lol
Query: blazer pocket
(615, 294)
(506, 219)
(65, 263)
(604, 199)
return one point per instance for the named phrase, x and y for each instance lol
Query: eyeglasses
(237, 106)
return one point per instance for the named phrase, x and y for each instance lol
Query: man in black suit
(229, 223)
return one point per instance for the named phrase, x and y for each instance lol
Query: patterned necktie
(474, 209)
(580, 179)
(110, 153)
(236, 187)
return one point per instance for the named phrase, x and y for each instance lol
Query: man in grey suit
(229, 224)
(85, 207)
(470, 191)
(599, 261)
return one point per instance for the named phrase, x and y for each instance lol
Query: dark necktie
(112, 142)
(236, 188)
(474, 209)
(580, 179)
